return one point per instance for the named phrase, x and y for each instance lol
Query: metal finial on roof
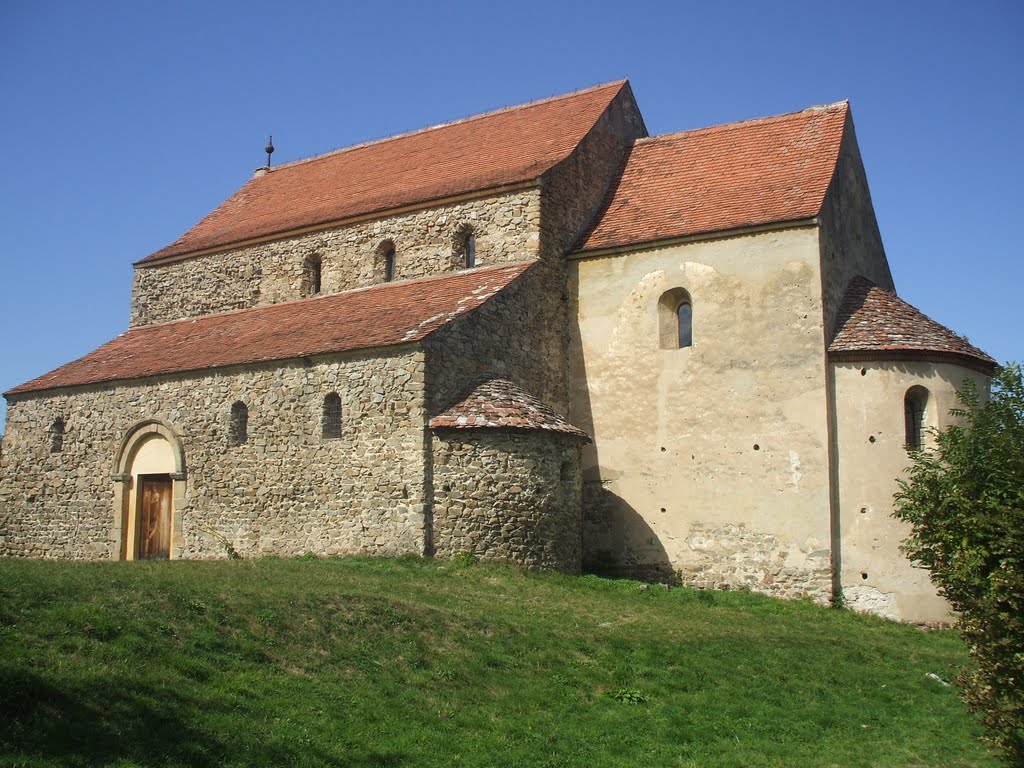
(269, 149)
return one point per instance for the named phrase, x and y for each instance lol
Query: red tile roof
(380, 316)
(874, 323)
(504, 147)
(743, 174)
(498, 403)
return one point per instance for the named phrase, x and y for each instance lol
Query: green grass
(358, 662)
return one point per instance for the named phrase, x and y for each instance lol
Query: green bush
(964, 499)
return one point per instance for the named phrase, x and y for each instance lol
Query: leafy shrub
(965, 502)
(628, 696)
(463, 559)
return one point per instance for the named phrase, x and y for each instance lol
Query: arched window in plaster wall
(312, 269)
(675, 319)
(56, 432)
(330, 422)
(915, 410)
(238, 428)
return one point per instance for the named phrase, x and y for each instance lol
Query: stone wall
(427, 242)
(499, 337)
(505, 494)
(285, 491)
(574, 190)
(572, 195)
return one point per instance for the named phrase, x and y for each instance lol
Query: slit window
(239, 425)
(915, 405)
(312, 271)
(389, 265)
(57, 435)
(470, 250)
(675, 319)
(330, 423)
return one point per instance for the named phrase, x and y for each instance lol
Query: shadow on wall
(617, 541)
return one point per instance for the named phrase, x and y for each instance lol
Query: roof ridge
(460, 121)
(362, 289)
(744, 123)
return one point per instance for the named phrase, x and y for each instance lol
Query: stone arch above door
(149, 454)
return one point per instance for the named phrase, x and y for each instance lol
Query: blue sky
(122, 124)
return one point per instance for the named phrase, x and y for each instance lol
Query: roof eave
(981, 365)
(186, 372)
(574, 433)
(715, 234)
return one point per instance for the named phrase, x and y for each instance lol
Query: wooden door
(154, 517)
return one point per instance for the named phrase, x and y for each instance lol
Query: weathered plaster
(849, 238)
(871, 457)
(694, 445)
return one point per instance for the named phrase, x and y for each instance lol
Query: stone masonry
(507, 494)
(285, 491)
(427, 242)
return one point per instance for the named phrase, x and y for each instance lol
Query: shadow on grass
(135, 726)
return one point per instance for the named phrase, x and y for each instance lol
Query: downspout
(835, 520)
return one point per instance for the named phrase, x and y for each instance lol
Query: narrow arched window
(684, 320)
(469, 248)
(915, 406)
(57, 435)
(312, 269)
(330, 422)
(385, 262)
(675, 319)
(239, 425)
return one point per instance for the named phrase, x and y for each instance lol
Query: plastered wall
(709, 460)
(871, 456)
(849, 238)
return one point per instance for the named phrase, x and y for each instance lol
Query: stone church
(537, 335)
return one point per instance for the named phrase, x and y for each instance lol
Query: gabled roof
(874, 323)
(497, 403)
(757, 172)
(512, 145)
(381, 316)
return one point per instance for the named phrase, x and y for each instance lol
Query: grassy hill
(358, 662)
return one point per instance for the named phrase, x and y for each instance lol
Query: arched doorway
(149, 493)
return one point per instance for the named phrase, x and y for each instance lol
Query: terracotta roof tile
(498, 403)
(380, 316)
(873, 322)
(738, 175)
(504, 147)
